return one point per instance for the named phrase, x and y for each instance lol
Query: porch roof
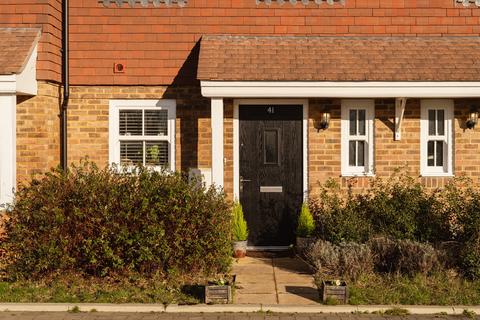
(16, 47)
(250, 58)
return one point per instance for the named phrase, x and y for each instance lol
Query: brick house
(264, 98)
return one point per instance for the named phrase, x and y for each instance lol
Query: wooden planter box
(332, 291)
(219, 294)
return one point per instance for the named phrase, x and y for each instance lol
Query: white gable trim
(328, 89)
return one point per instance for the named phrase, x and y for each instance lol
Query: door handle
(244, 180)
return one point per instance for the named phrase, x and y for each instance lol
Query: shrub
(338, 216)
(347, 260)
(240, 229)
(403, 256)
(397, 207)
(306, 225)
(102, 222)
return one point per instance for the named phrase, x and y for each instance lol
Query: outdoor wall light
(472, 118)
(323, 122)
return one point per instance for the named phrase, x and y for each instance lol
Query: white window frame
(114, 119)
(439, 104)
(369, 106)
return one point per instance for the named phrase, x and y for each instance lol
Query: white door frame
(236, 138)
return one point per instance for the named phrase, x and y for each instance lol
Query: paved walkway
(200, 316)
(273, 280)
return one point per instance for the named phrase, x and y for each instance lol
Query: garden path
(274, 280)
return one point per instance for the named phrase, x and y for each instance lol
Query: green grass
(93, 290)
(442, 288)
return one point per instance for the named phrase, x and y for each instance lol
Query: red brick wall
(44, 14)
(154, 43)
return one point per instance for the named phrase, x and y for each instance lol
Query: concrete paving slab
(293, 278)
(292, 265)
(267, 287)
(297, 288)
(255, 298)
(252, 269)
(298, 299)
(252, 278)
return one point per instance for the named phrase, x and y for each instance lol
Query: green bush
(338, 216)
(351, 260)
(239, 224)
(102, 222)
(306, 225)
(396, 207)
(346, 260)
(403, 256)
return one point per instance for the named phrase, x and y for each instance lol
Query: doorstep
(275, 308)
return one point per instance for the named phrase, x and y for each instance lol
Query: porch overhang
(340, 89)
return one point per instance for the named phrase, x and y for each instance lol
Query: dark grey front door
(271, 171)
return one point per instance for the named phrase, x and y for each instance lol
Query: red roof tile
(251, 58)
(16, 45)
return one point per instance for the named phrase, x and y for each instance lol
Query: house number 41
(271, 110)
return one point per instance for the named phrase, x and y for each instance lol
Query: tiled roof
(16, 45)
(252, 58)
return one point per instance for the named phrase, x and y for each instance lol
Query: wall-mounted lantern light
(143, 3)
(322, 122)
(302, 2)
(472, 118)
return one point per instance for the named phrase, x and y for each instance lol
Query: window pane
(156, 122)
(430, 153)
(353, 122)
(440, 122)
(271, 147)
(361, 122)
(439, 154)
(131, 152)
(352, 153)
(431, 123)
(130, 122)
(156, 153)
(361, 153)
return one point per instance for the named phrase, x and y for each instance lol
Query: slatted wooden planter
(219, 294)
(331, 290)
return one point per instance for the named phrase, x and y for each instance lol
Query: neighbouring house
(265, 98)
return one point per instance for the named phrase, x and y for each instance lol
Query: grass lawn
(79, 290)
(443, 288)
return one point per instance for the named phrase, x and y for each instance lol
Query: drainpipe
(66, 87)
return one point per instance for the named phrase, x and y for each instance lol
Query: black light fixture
(472, 118)
(322, 122)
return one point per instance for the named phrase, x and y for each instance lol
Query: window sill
(437, 175)
(357, 175)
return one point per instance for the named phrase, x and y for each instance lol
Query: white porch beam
(8, 149)
(339, 89)
(217, 141)
(399, 112)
